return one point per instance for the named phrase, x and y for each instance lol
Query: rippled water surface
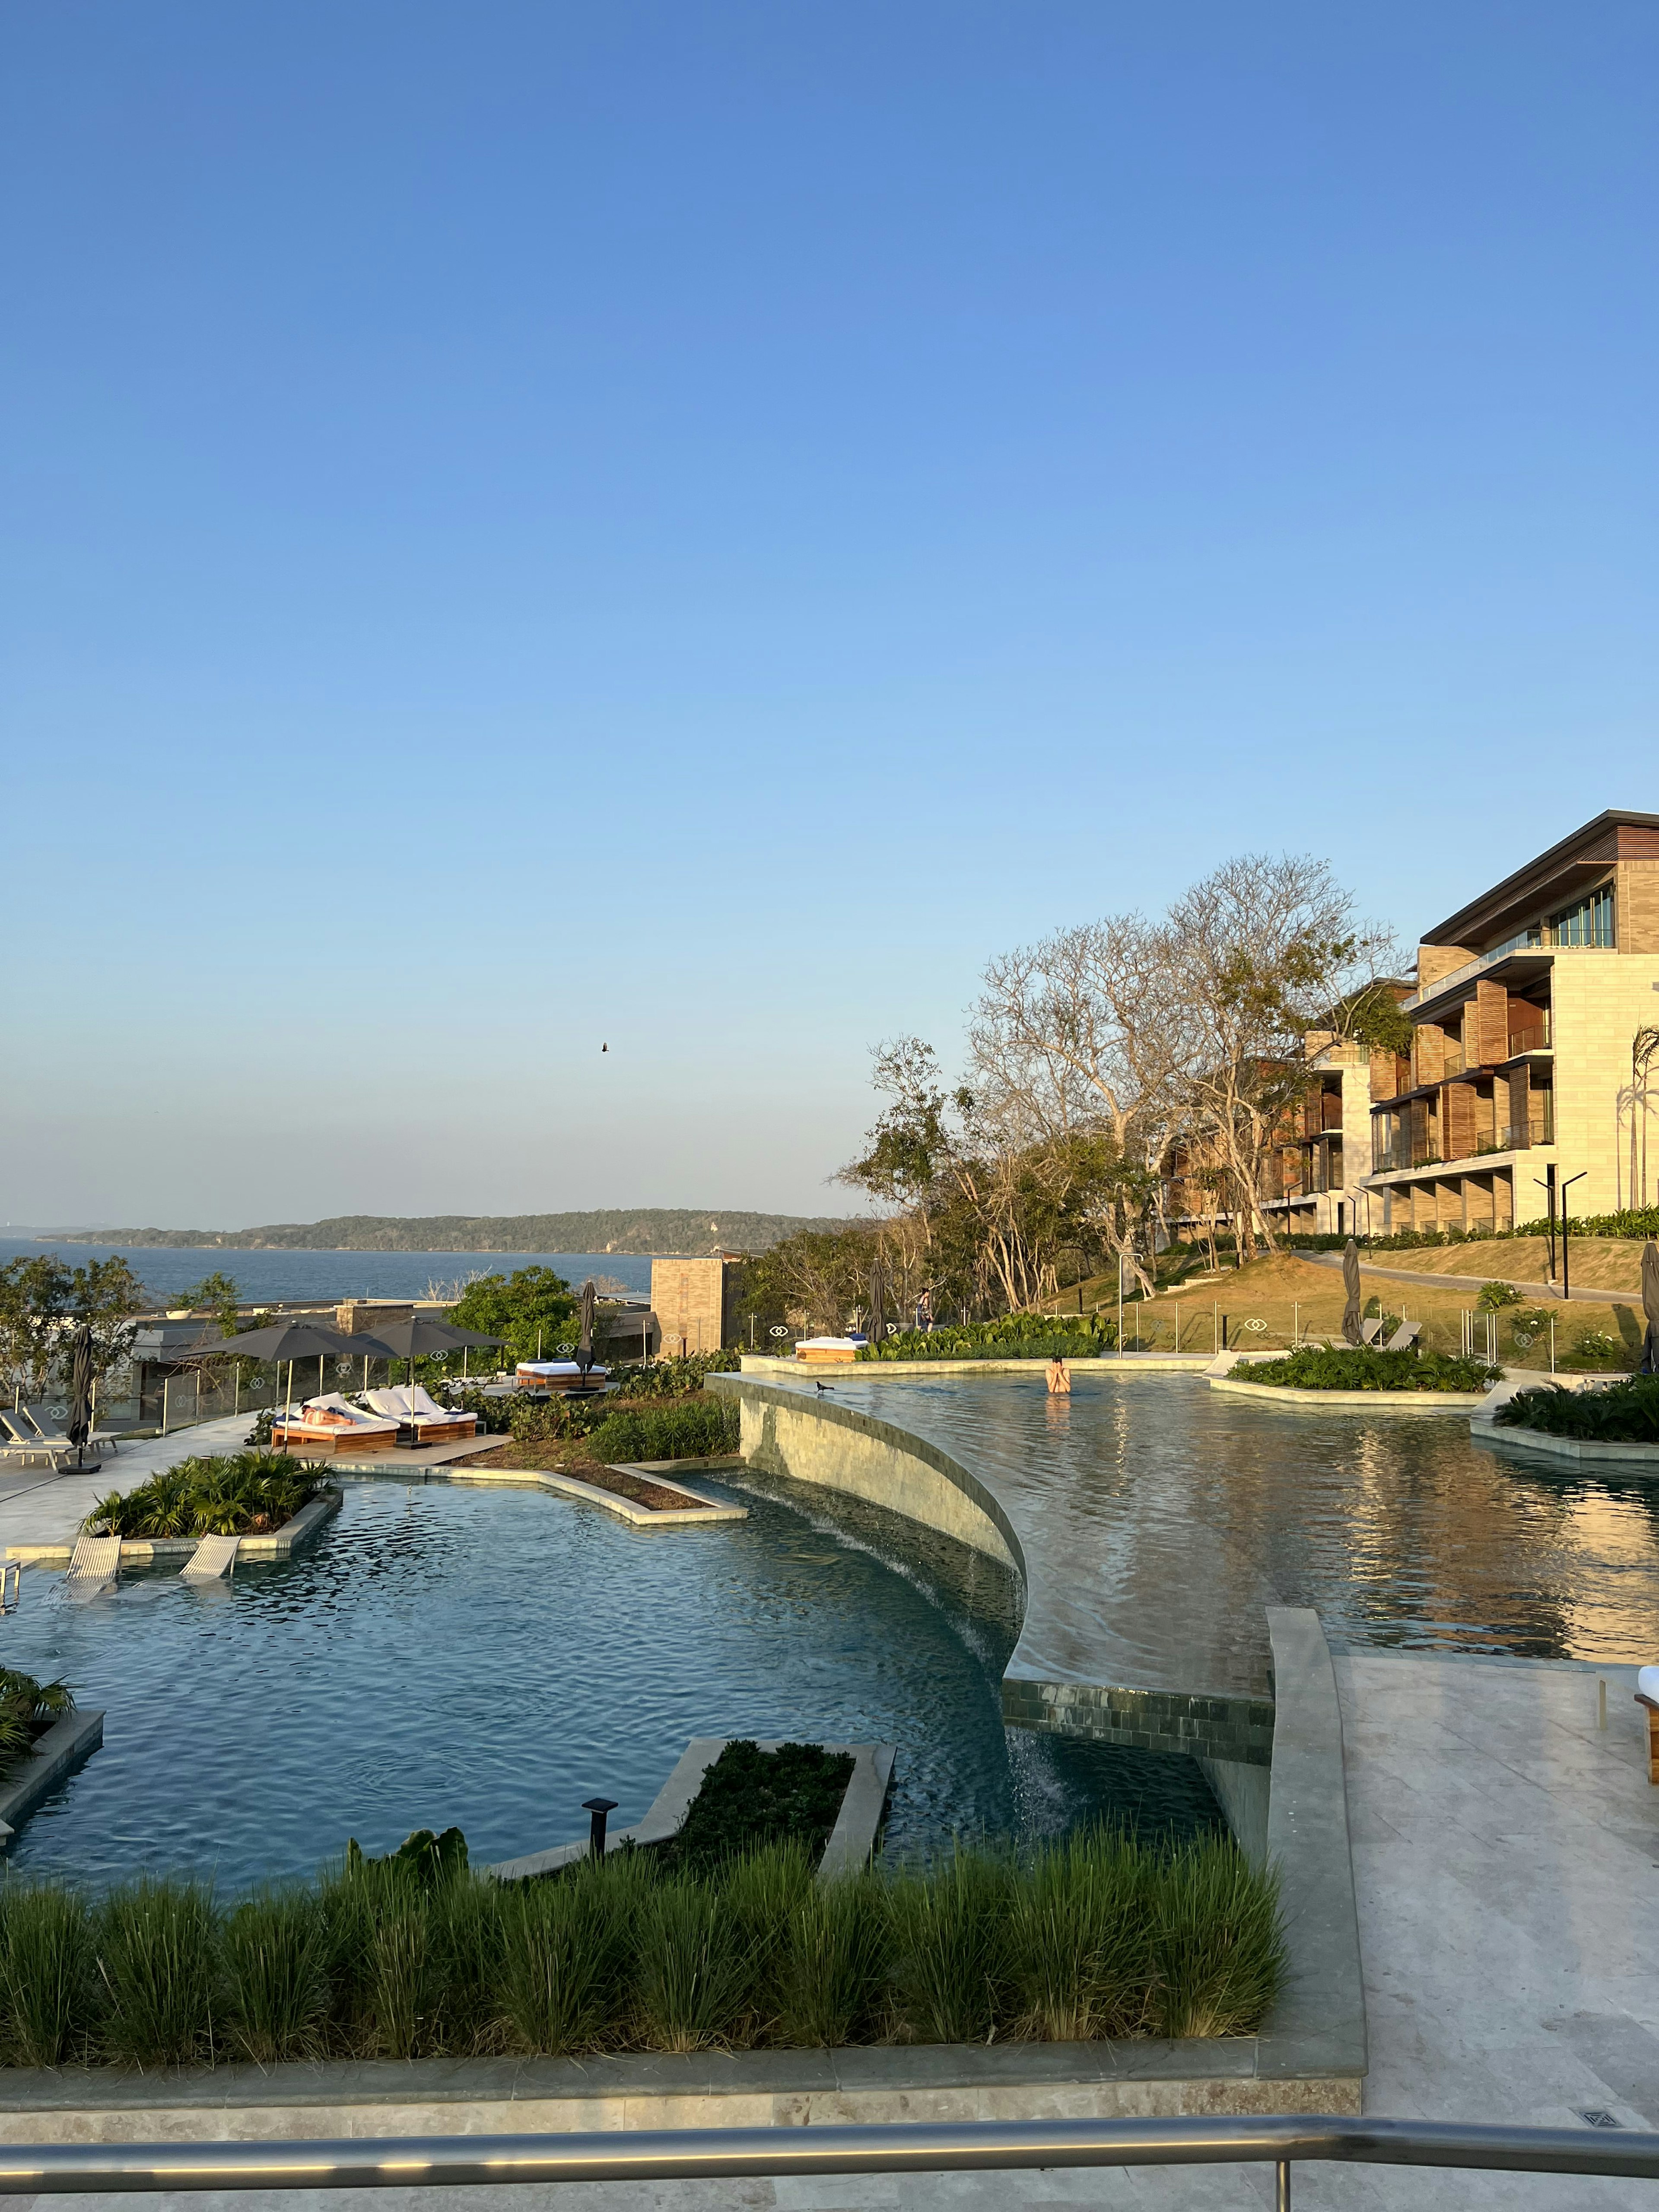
(1169, 1515)
(491, 1658)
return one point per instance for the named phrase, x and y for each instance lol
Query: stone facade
(693, 1301)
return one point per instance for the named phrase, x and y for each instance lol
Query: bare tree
(1264, 952)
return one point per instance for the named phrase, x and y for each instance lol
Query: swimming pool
(491, 1658)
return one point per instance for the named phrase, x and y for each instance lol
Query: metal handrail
(706, 2153)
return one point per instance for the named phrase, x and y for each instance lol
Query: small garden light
(599, 1806)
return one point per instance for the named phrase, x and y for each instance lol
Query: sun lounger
(413, 1409)
(52, 1434)
(558, 1375)
(1371, 1329)
(324, 1427)
(1404, 1337)
(20, 1442)
(213, 1560)
(93, 1564)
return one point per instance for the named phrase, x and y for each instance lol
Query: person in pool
(1060, 1380)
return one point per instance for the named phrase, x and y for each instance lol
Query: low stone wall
(873, 2084)
(1374, 1401)
(67, 1744)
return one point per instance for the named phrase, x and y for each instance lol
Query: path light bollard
(597, 1806)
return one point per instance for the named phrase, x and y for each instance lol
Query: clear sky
(690, 527)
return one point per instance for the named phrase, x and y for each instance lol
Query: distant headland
(641, 1229)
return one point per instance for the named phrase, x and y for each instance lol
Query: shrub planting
(27, 1710)
(246, 1495)
(688, 1428)
(1626, 1412)
(1362, 1368)
(1016, 1336)
(401, 1958)
(750, 1798)
(674, 1377)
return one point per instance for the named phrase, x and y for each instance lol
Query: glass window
(1589, 922)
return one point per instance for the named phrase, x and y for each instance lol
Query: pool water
(491, 1658)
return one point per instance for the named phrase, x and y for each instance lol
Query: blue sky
(693, 527)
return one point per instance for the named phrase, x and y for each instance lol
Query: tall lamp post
(1546, 1182)
(1566, 1265)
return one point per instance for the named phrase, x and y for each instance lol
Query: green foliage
(688, 1428)
(495, 1414)
(1596, 1349)
(1494, 1295)
(673, 1378)
(216, 1294)
(1365, 1367)
(247, 1494)
(1016, 1336)
(27, 1709)
(1626, 1412)
(157, 1960)
(750, 1798)
(531, 1308)
(413, 1955)
(46, 1975)
(41, 1300)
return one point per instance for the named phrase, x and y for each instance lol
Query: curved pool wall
(1047, 1683)
(1153, 1521)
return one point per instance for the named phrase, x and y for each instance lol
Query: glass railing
(1535, 1039)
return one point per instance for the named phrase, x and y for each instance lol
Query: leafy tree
(216, 1294)
(43, 1300)
(531, 1308)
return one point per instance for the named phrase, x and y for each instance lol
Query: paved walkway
(39, 1507)
(1429, 1281)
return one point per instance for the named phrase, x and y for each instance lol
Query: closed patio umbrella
(585, 1349)
(81, 1380)
(1650, 1307)
(1350, 1323)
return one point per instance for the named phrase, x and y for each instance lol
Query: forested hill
(609, 1229)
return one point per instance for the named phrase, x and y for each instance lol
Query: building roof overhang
(1552, 876)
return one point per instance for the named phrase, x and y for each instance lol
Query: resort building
(1536, 1006)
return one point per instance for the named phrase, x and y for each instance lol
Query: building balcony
(1397, 1157)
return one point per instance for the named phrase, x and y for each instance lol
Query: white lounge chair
(53, 1434)
(413, 1408)
(20, 1442)
(324, 1427)
(557, 1374)
(1371, 1329)
(1404, 1337)
(213, 1560)
(93, 1564)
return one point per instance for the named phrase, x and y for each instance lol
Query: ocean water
(282, 1274)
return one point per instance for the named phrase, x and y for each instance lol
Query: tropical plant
(1595, 1348)
(1364, 1368)
(680, 1375)
(1015, 1336)
(1494, 1295)
(248, 1493)
(27, 1709)
(1626, 1412)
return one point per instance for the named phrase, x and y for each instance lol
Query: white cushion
(1647, 1683)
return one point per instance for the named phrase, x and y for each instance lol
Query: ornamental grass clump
(415, 1955)
(1626, 1412)
(1362, 1367)
(245, 1494)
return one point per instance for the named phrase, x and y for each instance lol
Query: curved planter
(1376, 1401)
(1568, 1448)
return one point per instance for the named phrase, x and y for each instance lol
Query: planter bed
(149, 1550)
(852, 1841)
(694, 1509)
(1401, 1402)
(1591, 1452)
(871, 2084)
(55, 1753)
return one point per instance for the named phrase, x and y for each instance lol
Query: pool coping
(145, 1551)
(1150, 1363)
(852, 1841)
(66, 1744)
(1391, 1401)
(1500, 1437)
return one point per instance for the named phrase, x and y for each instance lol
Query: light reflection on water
(1173, 1513)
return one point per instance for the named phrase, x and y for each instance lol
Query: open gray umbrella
(1350, 1323)
(1650, 1306)
(81, 1382)
(584, 1348)
(422, 1336)
(296, 1339)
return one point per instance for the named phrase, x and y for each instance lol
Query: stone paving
(39, 1507)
